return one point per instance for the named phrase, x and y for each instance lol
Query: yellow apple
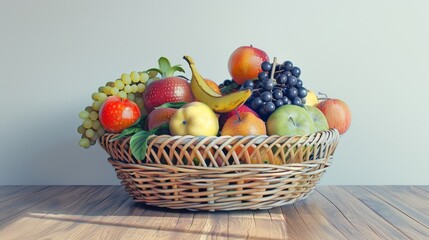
(196, 119)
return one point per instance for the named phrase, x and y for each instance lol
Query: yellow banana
(214, 100)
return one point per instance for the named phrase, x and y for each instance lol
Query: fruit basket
(222, 173)
(257, 141)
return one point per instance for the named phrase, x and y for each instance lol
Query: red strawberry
(170, 89)
(243, 108)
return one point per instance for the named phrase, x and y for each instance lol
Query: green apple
(319, 119)
(290, 120)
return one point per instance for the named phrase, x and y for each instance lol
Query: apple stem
(273, 69)
(238, 115)
(324, 96)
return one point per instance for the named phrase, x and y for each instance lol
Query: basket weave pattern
(223, 173)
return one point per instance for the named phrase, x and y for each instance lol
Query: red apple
(243, 108)
(117, 114)
(337, 113)
(245, 63)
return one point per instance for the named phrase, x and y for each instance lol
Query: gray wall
(54, 54)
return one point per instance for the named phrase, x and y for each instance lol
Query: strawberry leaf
(176, 68)
(154, 69)
(164, 66)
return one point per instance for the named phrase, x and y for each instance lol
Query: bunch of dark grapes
(273, 90)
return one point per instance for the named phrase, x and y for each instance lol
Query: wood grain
(107, 212)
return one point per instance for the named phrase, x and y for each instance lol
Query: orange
(245, 63)
(213, 85)
(246, 124)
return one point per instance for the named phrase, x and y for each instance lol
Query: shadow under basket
(222, 173)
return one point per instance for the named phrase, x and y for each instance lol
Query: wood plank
(52, 215)
(8, 191)
(363, 218)
(339, 220)
(106, 212)
(280, 226)
(147, 224)
(424, 187)
(102, 204)
(11, 210)
(23, 193)
(199, 225)
(310, 212)
(240, 224)
(295, 226)
(411, 228)
(412, 203)
(120, 220)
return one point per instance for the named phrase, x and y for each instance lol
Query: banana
(215, 101)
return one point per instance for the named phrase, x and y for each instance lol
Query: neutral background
(371, 54)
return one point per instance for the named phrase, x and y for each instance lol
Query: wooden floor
(106, 212)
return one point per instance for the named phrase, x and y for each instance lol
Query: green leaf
(175, 105)
(127, 132)
(230, 88)
(133, 129)
(162, 129)
(164, 65)
(155, 70)
(176, 68)
(138, 142)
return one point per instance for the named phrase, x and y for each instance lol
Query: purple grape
(277, 94)
(291, 81)
(269, 107)
(266, 96)
(286, 100)
(268, 85)
(298, 83)
(296, 71)
(281, 79)
(256, 103)
(288, 65)
(292, 93)
(278, 103)
(302, 92)
(266, 66)
(287, 73)
(248, 84)
(297, 101)
(263, 76)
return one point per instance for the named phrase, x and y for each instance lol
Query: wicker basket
(223, 173)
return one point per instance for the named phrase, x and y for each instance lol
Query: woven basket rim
(286, 166)
(262, 137)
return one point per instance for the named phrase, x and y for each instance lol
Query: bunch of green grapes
(129, 86)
